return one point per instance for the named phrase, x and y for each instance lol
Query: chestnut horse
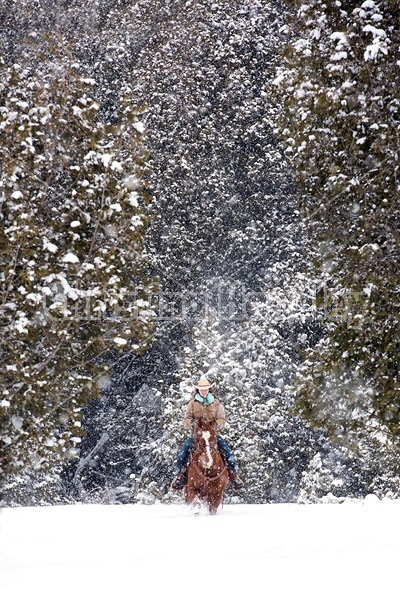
(207, 476)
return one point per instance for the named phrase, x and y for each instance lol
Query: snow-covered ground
(278, 552)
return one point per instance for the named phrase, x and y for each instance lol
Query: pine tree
(225, 225)
(341, 94)
(74, 290)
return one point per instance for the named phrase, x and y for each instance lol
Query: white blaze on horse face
(206, 438)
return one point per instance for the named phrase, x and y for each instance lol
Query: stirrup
(179, 481)
(235, 480)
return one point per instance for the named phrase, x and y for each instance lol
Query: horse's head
(204, 430)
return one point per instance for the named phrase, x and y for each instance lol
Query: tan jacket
(212, 412)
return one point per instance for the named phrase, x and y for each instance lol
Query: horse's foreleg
(197, 507)
(216, 493)
(190, 495)
(213, 506)
(192, 499)
(214, 500)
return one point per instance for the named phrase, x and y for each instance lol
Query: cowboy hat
(203, 383)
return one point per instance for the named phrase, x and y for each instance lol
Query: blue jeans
(223, 447)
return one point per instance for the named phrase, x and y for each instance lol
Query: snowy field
(278, 552)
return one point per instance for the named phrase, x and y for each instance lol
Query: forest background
(195, 187)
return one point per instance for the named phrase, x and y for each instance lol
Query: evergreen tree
(224, 222)
(342, 99)
(225, 239)
(74, 288)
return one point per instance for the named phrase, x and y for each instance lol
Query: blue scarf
(209, 399)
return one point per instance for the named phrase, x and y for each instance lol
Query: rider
(206, 405)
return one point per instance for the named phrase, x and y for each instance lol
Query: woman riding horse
(205, 405)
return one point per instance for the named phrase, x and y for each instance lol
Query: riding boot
(235, 480)
(180, 480)
(230, 464)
